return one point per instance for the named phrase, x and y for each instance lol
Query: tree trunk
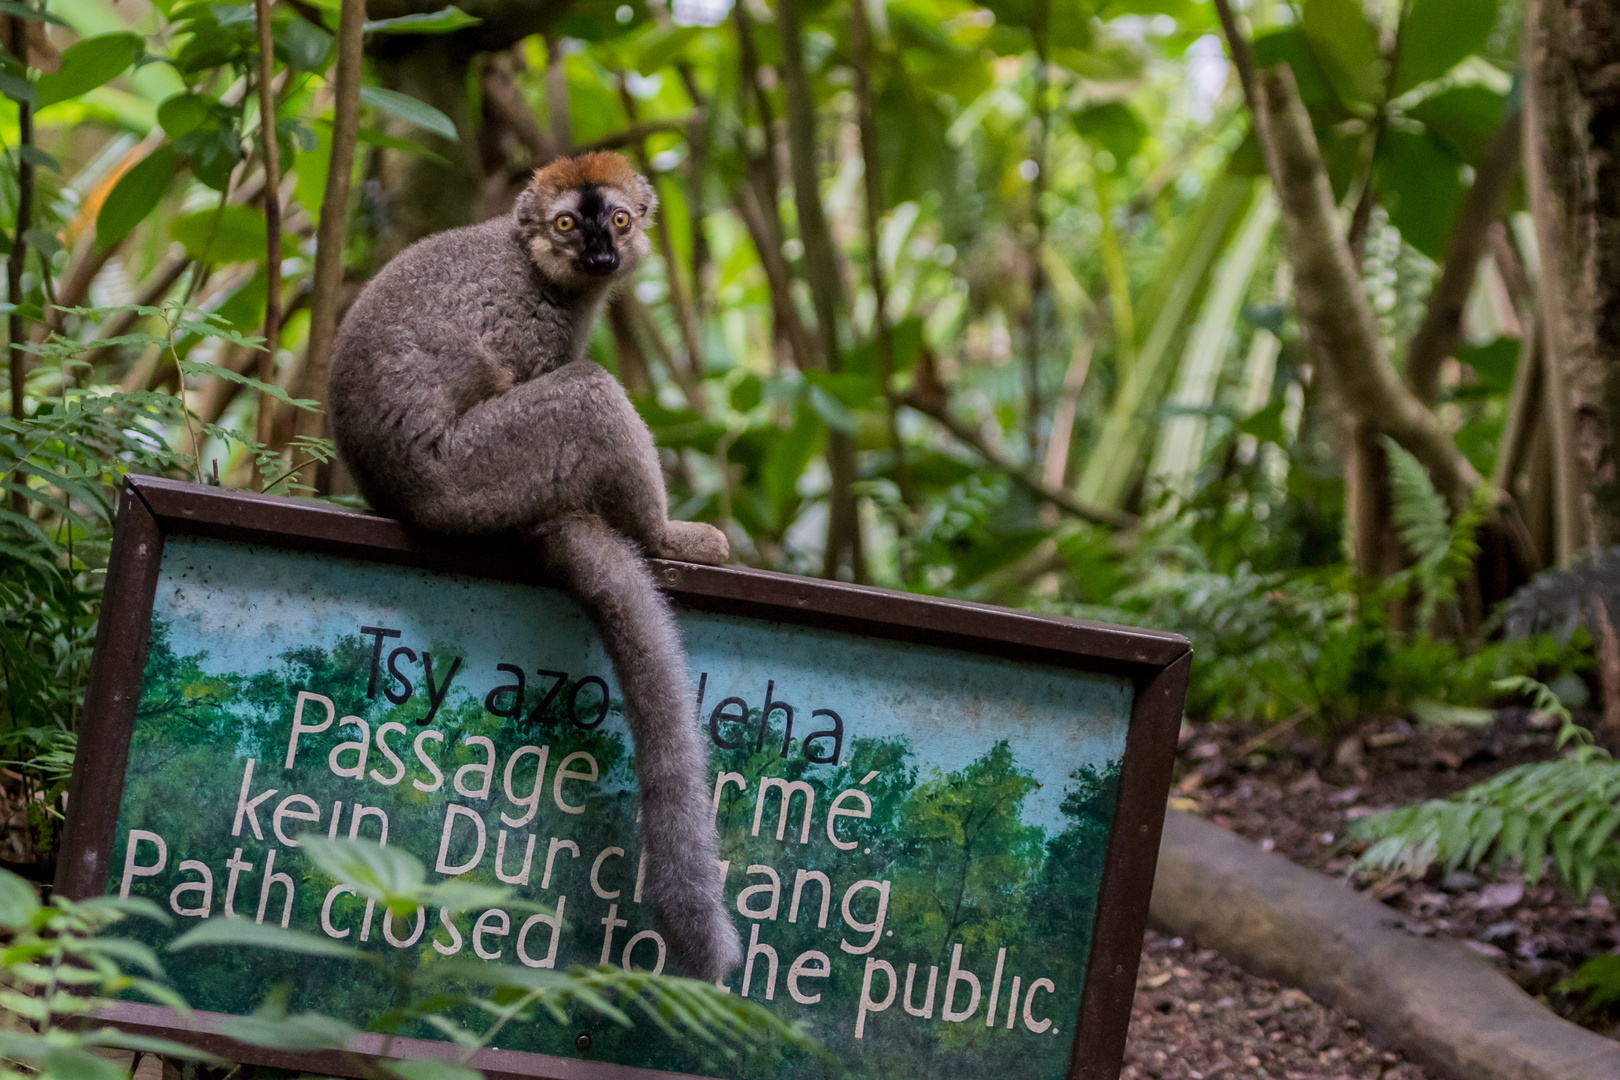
(420, 195)
(844, 558)
(1572, 139)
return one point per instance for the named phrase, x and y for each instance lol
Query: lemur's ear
(646, 197)
(526, 212)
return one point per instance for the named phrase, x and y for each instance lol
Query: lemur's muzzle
(598, 261)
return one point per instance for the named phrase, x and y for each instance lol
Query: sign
(938, 820)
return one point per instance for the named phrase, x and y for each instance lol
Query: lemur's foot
(695, 542)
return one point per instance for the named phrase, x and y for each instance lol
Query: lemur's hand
(695, 542)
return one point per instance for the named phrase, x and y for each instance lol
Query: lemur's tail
(609, 577)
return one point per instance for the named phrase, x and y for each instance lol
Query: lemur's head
(584, 219)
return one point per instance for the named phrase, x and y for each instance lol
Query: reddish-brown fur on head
(599, 167)
(569, 207)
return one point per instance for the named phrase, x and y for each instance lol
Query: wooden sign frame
(151, 510)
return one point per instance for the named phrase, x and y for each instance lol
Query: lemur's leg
(565, 443)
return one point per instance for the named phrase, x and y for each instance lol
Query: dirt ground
(1299, 800)
(1197, 1017)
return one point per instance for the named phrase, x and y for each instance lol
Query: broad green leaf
(1436, 35)
(1345, 44)
(222, 931)
(1494, 363)
(300, 45)
(87, 65)
(238, 236)
(378, 871)
(18, 901)
(437, 22)
(663, 45)
(182, 114)
(1116, 127)
(409, 109)
(135, 195)
(1464, 117)
(1420, 184)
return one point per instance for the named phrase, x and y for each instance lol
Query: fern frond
(1422, 519)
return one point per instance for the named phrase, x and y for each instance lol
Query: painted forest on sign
(914, 837)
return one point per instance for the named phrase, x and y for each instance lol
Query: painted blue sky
(244, 606)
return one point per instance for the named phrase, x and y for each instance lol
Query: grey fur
(462, 401)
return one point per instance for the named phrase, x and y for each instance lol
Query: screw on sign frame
(152, 510)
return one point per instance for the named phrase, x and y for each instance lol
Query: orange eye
(621, 219)
(564, 222)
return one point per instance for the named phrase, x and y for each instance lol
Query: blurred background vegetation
(1288, 327)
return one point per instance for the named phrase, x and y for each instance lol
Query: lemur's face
(585, 219)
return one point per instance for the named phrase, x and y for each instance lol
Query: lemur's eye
(621, 219)
(564, 222)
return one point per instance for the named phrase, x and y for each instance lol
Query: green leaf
(1345, 44)
(304, 1031)
(43, 242)
(38, 158)
(1266, 424)
(145, 1044)
(1114, 126)
(409, 109)
(300, 45)
(1436, 35)
(136, 195)
(239, 235)
(429, 1069)
(222, 931)
(18, 901)
(1420, 184)
(16, 89)
(30, 13)
(74, 1063)
(438, 22)
(1495, 364)
(1464, 117)
(1445, 714)
(373, 137)
(184, 113)
(91, 63)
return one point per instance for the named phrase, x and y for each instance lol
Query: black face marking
(597, 254)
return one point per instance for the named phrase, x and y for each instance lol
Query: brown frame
(152, 509)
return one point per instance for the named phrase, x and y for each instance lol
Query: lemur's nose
(600, 261)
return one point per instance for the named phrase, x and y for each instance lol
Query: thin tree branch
(861, 56)
(330, 234)
(843, 548)
(1441, 328)
(562, 129)
(271, 150)
(503, 95)
(16, 337)
(679, 298)
(1024, 476)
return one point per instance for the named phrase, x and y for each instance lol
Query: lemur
(463, 402)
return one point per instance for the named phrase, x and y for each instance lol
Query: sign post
(939, 821)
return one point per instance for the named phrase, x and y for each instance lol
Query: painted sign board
(939, 820)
